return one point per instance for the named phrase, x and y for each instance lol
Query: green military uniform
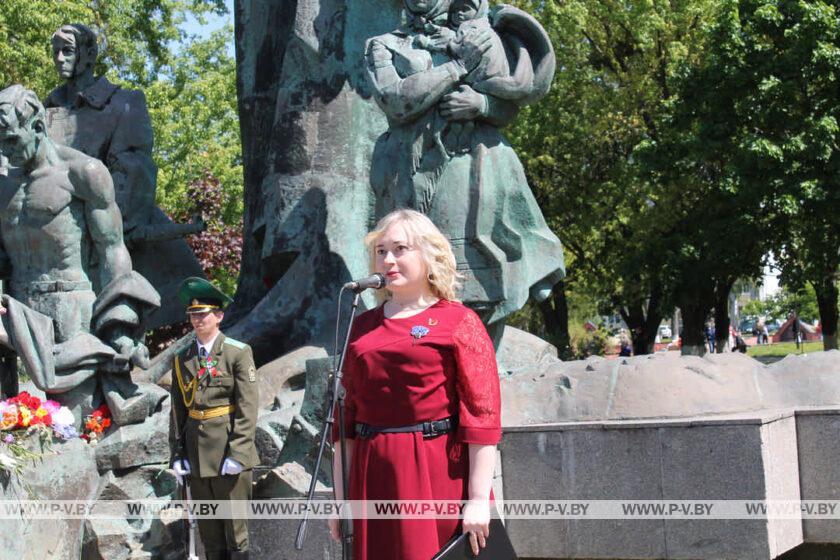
(214, 404)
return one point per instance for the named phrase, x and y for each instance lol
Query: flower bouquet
(24, 415)
(26, 411)
(96, 423)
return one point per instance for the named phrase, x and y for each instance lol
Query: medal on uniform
(209, 366)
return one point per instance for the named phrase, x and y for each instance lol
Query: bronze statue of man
(104, 121)
(112, 124)
(74, 306)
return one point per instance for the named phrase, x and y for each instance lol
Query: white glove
(231, 467)
(181, 468)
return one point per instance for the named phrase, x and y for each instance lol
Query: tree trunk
(722, 321)
(642, 328)
(643, 319)
(827, 301)
(694, 315)
(555, 312)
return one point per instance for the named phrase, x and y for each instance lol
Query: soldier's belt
(57, 286)
(212, 412)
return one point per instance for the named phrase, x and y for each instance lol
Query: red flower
(97, 422)
(27, 400)
(46, 420)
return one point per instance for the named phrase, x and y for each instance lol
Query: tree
(616, 62)
(761, 115)
(193, 107)
(784, 302)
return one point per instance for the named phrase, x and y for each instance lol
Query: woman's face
(401, 262)
(419, 6)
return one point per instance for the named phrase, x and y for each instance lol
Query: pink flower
(51, 406)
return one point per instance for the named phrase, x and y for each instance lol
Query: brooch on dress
(418, 332)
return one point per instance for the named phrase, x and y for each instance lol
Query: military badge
(252, 374)
(209, 366)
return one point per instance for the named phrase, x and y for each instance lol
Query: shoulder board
(235, 343)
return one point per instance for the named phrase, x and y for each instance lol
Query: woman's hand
(465, 104)
(472, 47)
(477, 523)
(441, 38)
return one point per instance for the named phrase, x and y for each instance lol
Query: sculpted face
(419, 6)
(462, 11)
(19, 144)
(65, 56)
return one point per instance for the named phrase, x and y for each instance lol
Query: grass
(782, 349)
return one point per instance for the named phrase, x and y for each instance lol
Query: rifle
(164, 231)
(186, 495)
(191, 523)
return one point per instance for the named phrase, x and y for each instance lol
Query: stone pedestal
(748, 457)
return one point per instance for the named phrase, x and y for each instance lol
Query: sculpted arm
(466, 104)
(92, 183)
(404, 99)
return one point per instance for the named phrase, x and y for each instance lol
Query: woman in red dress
(419, 357)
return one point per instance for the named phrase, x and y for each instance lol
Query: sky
(193, 27)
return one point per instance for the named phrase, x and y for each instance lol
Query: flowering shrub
(218, 249)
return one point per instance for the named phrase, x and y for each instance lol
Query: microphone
(375, 281)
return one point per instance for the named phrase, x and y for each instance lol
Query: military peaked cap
(199, 295)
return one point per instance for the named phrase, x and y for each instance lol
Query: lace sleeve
(479, 408)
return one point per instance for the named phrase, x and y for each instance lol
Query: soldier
(214, 405)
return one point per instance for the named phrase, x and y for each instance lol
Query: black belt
(430, 428)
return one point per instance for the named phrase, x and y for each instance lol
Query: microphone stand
(335, 394)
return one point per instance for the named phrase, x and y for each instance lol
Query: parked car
(747, 327)
(665, 331)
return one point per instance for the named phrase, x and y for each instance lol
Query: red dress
(394, 378)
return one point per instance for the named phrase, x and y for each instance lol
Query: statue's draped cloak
(58, 366)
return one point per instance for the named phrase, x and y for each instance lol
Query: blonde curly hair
(433, 245)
